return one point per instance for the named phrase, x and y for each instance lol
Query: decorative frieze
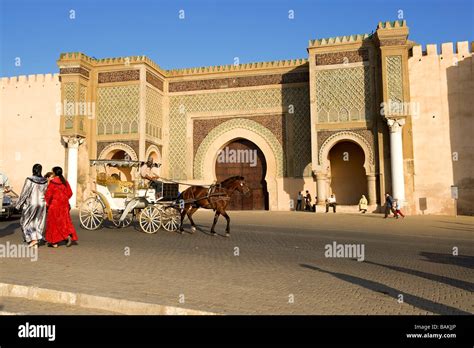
(242, 81)
(119, 76)
(361, 55)
(154, 80)
(76, 70)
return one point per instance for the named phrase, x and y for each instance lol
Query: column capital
(395, 124)
(73, 141)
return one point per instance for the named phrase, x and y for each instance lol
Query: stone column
(396, 159)
(371, 189)
(72, 164)
(321, 186)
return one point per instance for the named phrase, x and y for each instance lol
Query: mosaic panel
(119, 76)
(69, 99)
(295, 99)
(154, 113)
(342, 57)
(233, 124)
(79, 70)
(117, 109)
(344, 94)
(242, 81)
(154, 80)
(82, 105)
(394, 78)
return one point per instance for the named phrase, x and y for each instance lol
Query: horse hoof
(213, 234)
(181, 231)
(193, 229)
(227, 234)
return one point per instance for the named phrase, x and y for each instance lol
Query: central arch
(211, 152)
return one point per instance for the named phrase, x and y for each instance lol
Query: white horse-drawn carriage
(122, 202)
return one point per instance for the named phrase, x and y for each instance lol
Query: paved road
(274, 263)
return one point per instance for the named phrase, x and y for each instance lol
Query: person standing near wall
(299, 201)
(331, 202)
(33, 215)
(307, 201)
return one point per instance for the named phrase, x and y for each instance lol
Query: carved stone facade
(119, 76)
(361, 55)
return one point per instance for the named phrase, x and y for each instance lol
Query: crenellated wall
(441, 86)
(29, 131)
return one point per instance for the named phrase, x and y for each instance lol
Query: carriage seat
(116, 187)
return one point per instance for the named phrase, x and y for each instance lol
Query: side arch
(119, 146)
(369, 163)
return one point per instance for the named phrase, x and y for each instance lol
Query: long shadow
(448, 259)
(454, 228)
(437, 278)
(9, 229)
(413, 300)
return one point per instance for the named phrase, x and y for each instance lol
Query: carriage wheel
(171, 219)
(122, 224)
(150, 219)
(91, 214)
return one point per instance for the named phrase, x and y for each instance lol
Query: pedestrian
(59, 225)
(4, 188)
(363, 204)
(331, 202)
(33, 215)
(299, 200)
(49, 176)
(307, 201)
(388, 205)
(396, 208)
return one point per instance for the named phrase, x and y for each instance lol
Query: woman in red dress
(59, 225)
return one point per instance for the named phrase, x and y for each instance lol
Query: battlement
(290, 63)
(338, 40)
(29, 79)
(392, 24)
(447, 49)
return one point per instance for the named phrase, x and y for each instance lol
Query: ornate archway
(323, 175)
(119, 151)
(116, 147)
(219, 137)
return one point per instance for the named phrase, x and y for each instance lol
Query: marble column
(72, 165)
(396, 159)
(321, 186)
(371, 189)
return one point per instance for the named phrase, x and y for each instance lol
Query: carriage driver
(149, 173)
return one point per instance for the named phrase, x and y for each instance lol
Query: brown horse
(215, 197)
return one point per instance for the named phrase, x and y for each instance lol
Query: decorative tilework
(241, 100)
(154, 80)
(69, 99)
(342, 57)
(82, 105)
(229, 126)
(241, 81)
(117, 109)
(344, 94)
(394, 78)
(80, 70)
(119, 76)
(154, 113)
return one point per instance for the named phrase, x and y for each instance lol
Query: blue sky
(212, 32)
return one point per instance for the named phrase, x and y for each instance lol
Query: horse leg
(227, 217)
(216, 216)
(183, 214)
(190, 214)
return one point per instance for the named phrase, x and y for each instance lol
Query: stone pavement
(273, 263)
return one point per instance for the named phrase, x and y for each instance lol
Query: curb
(92, 302)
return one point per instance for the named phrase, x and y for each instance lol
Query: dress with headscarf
(33, 216)
(58, 222)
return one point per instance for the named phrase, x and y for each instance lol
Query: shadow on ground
(413, 300)
(448, 259)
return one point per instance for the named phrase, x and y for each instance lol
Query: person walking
(388, 205)
(396, 208)
(33, 215)
(363, 204)
(307, 201)
(331, 202)
(299, 200)
(59, 225)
